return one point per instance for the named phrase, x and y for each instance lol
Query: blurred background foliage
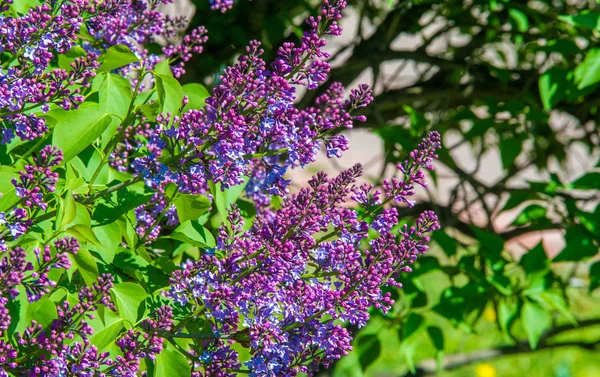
(509, 287)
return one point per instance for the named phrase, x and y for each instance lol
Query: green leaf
(563, 46)
(417, 119)
(510, 149)
(589, 181)
(9, 196)
(530, 214)
(437, 338)
(151, 110)
(171, 363)
(501, 282)
(85, 264)
(163, 68)
(84, 233)
(369, 348)
(75, 130)
(42, 311)
(414, 291)
(408, 351)
(18, 309)
(70, 209)
(490, 241)
(65, 60)
(191, 207)
(23, 6)
(447, 243)
(491, 246)
(413, 324)
(553, 85)
(535, 321)
(579, 246)
(591, 221)
(105, 337)
(117, 56)
(109, 236)
(507, 312)
(114, 93)
(224, 198)
(114, 96)
(127, 298)
(197, 95)
(456, 303)
(170, 93)
(193, 233)
(588, 19)
(517, 197)
(557, 302)
(535, 260)
(520, 19)
(111, 208)
(587, 73)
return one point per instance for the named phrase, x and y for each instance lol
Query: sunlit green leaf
(535, 321)
(128, 297)
(117, 56)
(75, 130)
(588, 71)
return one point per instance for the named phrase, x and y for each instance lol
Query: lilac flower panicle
(250, 125)
(282, 286)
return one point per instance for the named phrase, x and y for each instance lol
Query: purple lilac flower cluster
(250, 125)
(32, 42)
(221, 5)
(282, 287)
(50, 350)
(147, 214)
(137, 345)
(33, 183)
(55, 353)
(15, 271)
(135, 23)
(35, 39)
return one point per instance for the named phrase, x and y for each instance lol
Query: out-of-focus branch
(429, 367)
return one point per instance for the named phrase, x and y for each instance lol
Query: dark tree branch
(429, 366)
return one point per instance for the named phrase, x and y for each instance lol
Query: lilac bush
(149, 228)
